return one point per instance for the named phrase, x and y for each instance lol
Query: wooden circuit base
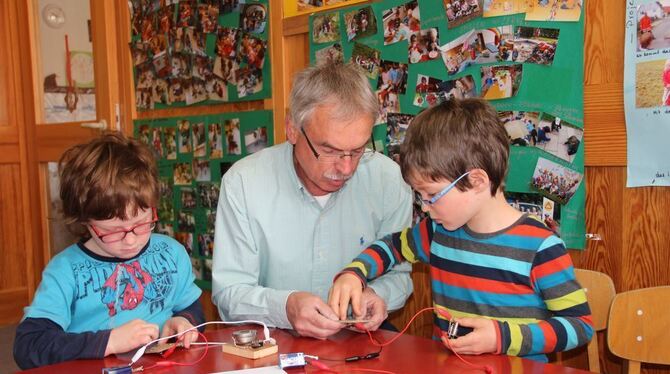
(252, 353)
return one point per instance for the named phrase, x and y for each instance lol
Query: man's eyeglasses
(335, 157)
(420, 201)
(139, 229)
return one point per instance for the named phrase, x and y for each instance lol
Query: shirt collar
(98, 257)
(290, 166)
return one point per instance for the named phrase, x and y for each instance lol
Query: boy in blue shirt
(114, 290)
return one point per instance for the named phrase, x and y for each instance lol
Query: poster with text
(647, 92)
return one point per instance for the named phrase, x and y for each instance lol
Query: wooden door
(28, 144)
(15, 209)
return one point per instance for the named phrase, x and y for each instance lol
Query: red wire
(486, 368)
(374, 341)
(324, 367)
(321, 366)
(173, 363)
(380, 344)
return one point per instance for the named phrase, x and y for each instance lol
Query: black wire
(366, 356)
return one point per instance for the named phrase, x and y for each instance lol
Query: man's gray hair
(343, 85)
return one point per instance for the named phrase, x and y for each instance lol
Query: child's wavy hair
(451, 138)
(109, 177)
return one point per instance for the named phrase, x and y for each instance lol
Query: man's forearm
(243, 302)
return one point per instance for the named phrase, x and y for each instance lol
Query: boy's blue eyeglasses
(420, 201)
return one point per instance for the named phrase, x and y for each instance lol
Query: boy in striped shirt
(494, 269)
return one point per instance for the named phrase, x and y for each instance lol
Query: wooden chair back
(600, 291)
(639, 326)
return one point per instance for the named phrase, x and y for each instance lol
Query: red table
(408, 354)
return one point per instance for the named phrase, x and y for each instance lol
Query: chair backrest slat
(599, 292)
(639, 325)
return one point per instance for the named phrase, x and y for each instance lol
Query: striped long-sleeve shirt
(522, 277)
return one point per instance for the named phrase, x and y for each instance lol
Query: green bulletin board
(193, 153)
(199, 53)
(547, 90)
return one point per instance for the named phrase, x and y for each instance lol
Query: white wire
(266, 334)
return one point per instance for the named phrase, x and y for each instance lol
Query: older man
(291, 216)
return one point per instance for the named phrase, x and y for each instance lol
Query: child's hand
(481, 340)
(346, 288)
(551, 224)
(176, 325)
(375, 311)
(130, 335)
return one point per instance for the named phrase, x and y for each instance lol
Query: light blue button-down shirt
(273, 238)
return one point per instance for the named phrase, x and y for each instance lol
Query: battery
(291, 360)
(454, 330)
(118, 370)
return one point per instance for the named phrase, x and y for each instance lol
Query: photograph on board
(326, 28)
(555, 181)
(554, 10)
(500, 81)
(400, 22)
(330, 55)
(460, 11)
(360, 23)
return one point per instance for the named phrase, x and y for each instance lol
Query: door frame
(42, 143)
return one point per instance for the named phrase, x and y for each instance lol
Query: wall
(634, 250)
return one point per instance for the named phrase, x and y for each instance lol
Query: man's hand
(130, 335)
(481, 340)
(310, 316)
(178, 324)
(374, 308)
(346, 288)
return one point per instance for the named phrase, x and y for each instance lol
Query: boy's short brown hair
(101, 179)
(452, 138)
